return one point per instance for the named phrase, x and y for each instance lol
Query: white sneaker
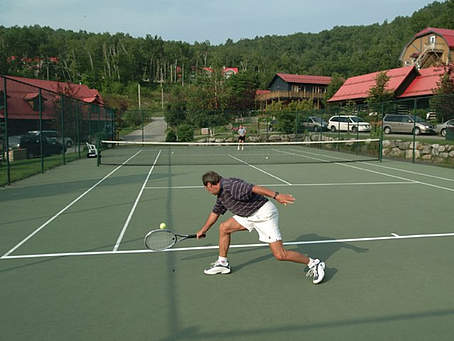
(317, 271)
(217, 268)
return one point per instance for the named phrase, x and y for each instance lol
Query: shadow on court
(193, 332)
(318, 249)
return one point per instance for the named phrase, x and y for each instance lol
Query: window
(432, 40)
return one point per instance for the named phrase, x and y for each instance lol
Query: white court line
(368, 170)
(213, 247)
(409, 171)
(68, 206)
(304, 185)
(125, 226)
(261, 170)
(395, 234)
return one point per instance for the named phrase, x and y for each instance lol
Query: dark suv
(32, 142)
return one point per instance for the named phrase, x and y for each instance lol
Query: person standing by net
(252, 210)
(241, 137)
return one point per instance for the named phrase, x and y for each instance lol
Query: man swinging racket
(252, 210)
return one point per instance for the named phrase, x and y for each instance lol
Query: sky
(202, 20)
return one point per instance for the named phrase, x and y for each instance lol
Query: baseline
(213, 247)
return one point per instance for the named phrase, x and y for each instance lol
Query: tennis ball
(162, 226)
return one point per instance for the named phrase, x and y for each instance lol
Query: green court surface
(73, 265)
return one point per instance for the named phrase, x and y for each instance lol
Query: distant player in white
(241, 137)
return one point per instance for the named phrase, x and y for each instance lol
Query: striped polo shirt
(236, 196)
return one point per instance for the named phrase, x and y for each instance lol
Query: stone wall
(423, 151)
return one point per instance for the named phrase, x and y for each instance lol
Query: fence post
(414, 130)
(62, 115)
(40, 104)
(380, 144)
(77, 127)
(5, 117)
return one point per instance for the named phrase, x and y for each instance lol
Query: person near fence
(241, 137)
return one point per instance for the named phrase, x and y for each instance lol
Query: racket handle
(195, 236)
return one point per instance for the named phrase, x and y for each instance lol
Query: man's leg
(226, 228)
(282, 254)
(316, 267)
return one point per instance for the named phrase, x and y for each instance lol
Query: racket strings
(160, 240)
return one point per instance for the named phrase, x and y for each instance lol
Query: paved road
(154, 131)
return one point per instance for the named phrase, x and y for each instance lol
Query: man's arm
(212, 218)
(279, 197)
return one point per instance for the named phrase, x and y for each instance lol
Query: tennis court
(73, 265)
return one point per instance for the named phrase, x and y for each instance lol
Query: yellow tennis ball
(162, 226)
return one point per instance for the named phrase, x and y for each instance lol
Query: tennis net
(258, 153)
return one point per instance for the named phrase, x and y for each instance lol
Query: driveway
(154, 131)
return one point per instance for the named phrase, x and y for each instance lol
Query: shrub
(171, 136)
(185, 133)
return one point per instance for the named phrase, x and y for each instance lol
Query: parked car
(31, 143)
(441, 128)
(314, 123)
(348, 123)
(68, 142)
(14, 142)
(395, 123)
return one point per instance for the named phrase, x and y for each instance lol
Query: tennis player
(252, 210)
(241, 137)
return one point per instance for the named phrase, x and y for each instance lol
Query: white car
(348, 123)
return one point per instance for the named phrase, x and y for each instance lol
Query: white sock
(223, 260)
(312, 262)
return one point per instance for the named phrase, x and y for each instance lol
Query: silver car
(441, 128)
(314, 123)
(394, 123)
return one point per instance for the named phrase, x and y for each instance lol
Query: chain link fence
(41, 129)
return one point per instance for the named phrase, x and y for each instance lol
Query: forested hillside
(115, 63)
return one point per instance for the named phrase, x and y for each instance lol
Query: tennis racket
(158, 240)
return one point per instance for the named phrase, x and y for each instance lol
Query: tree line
(98, 60)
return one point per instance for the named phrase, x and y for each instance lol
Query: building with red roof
(406, 82)
(424, 59)
(357, 88)
(23, 102)
(430, 47)
(289, 87)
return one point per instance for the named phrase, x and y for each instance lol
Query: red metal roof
(425, 83)
(358, 87)
(78, 91)
(22, 93)
(305, 79)
(448, 35)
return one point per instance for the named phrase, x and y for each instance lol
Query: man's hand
(285, 199)
(201, 234)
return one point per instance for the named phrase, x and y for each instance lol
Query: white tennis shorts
(265, 221)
